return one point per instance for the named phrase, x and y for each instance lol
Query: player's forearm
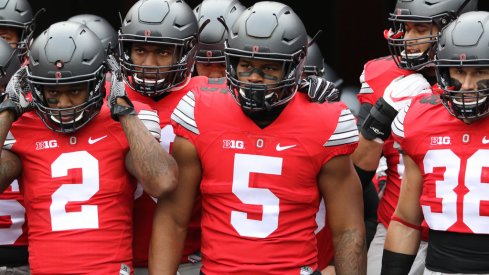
(350, 255)
(6, 120)
(10, 166)
(151, 164)
(367, 154)
(167, 242)
(402, 239)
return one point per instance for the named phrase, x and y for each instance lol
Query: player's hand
(404, 88)
(14, 98)
(319, 89)
(118, 101)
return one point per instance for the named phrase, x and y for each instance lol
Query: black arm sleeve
(370, 204)
(365, 176)
(396, 263)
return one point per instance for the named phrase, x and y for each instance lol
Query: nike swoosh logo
(281, 148)
(92, 141)
(484, 140)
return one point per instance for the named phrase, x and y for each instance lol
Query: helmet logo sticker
(255, 48)
(58, 75)
(59, 64)
(208, 54)
(462, 56)
(147, 33)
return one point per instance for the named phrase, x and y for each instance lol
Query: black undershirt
(450, 252)
(12, 256)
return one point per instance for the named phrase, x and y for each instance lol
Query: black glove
(377, 124)
(117, 90)
(319, 89)
(13, 99)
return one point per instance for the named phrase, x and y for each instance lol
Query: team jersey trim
(398, 123)
(151, 120)
(346, 131)
(184, 113)
(9, 141)
(365, 88)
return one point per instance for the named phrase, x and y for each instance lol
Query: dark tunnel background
(352, 30)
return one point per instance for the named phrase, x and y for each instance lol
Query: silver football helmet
(464, 43)
(433, 12)
(162, 22)
(269, 31)
(67, 53)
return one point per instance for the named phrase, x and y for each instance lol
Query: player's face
(11, 35)
(152, 55)
(65, 96)
(420, 33)
(469, 81)
(470, 78)
(259, 71)
(212, 70)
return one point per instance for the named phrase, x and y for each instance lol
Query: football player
(261, 194)
(75, 164)
(17, 25)
(388, 84)
(13, 241)
(157, 47)
(209, 58)
(444, 147)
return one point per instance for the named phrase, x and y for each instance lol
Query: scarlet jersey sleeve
(149, 118)
(254, 196)
(377, 74)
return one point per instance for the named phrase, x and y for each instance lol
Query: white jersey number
(243, 166)
(16, 212)
(87, 217)
(477, 190)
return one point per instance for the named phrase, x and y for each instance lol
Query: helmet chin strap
(268, 106)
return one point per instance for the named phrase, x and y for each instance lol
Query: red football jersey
(259, 186)
(145, 205)
(13, 225)
(454, 161)
(78, 194)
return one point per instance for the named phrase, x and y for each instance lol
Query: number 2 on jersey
(87, 217)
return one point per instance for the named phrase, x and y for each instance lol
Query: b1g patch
(125, 270)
